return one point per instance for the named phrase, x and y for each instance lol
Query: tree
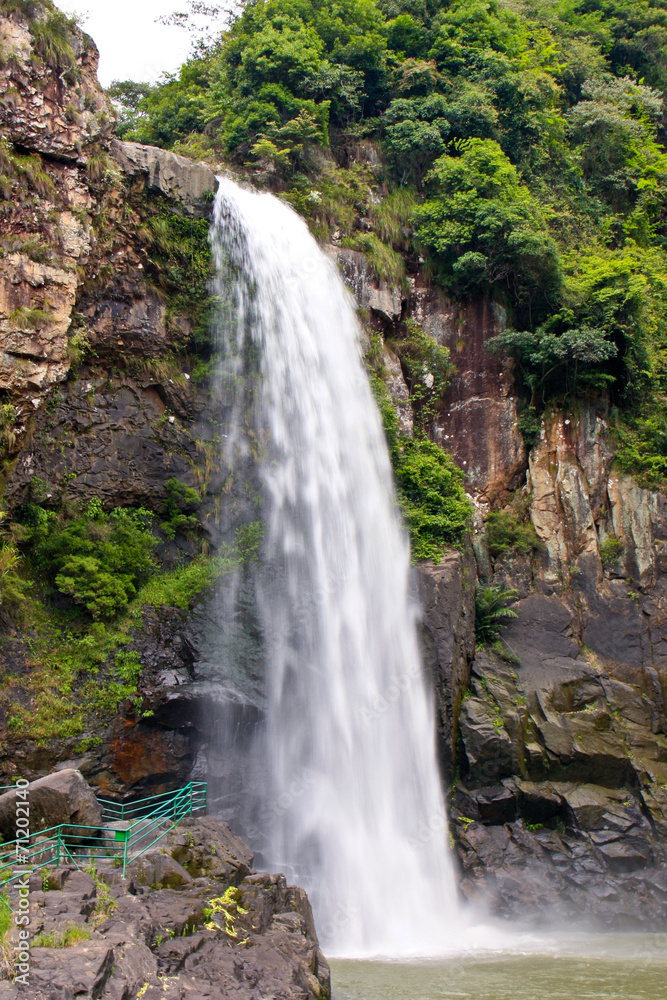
(482, 227)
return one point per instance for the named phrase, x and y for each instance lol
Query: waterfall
(349, 777)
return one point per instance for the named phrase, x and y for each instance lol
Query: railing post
(58, 850)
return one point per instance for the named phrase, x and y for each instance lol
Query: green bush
(492, 611)
(611, 550)
(97, 559)
(432, 498)
(481, 227)
(179, 507)
(506, 533)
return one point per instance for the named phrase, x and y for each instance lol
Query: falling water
(349, 762)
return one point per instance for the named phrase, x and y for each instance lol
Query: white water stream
(357, 812)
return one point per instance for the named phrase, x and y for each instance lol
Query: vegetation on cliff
(524, 141)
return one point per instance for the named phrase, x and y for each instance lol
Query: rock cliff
(553, 743)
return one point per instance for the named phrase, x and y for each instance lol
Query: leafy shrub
(482, 227)
(492, 611)
(415, 133)
(96, 559)
(506, 533)
(180, 504)
(431, 495)
(611, 550)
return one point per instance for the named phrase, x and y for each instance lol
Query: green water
(618, 967)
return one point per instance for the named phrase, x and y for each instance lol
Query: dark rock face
(603, 879)
(447, 634)
(59, 798)
(193, 920)
(561, 810)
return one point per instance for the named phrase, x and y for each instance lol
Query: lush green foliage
(432, 497)
(483, 228)
(180, 506)
(95, 558)
(492, 611)
(517, 147)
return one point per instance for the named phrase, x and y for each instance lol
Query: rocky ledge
(191, 921)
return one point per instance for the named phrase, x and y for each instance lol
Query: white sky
(132, 46)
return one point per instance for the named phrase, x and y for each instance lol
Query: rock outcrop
(192, 185)
(65, 235)
(447, 633)
(190, 919)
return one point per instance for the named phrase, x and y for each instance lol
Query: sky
(132, 45)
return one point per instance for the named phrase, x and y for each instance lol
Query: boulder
(156, 869)
(167, 943)
(71, 972)
(61, 798)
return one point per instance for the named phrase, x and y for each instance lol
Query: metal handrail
(153, 816)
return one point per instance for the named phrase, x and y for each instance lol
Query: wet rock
(550, 876)
(539, 801)
(447, 636)
(399, 392)
(370, 292)
(488, 748)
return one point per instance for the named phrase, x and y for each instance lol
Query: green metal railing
(128, 830)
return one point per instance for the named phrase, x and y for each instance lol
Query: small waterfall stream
(348, 760)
